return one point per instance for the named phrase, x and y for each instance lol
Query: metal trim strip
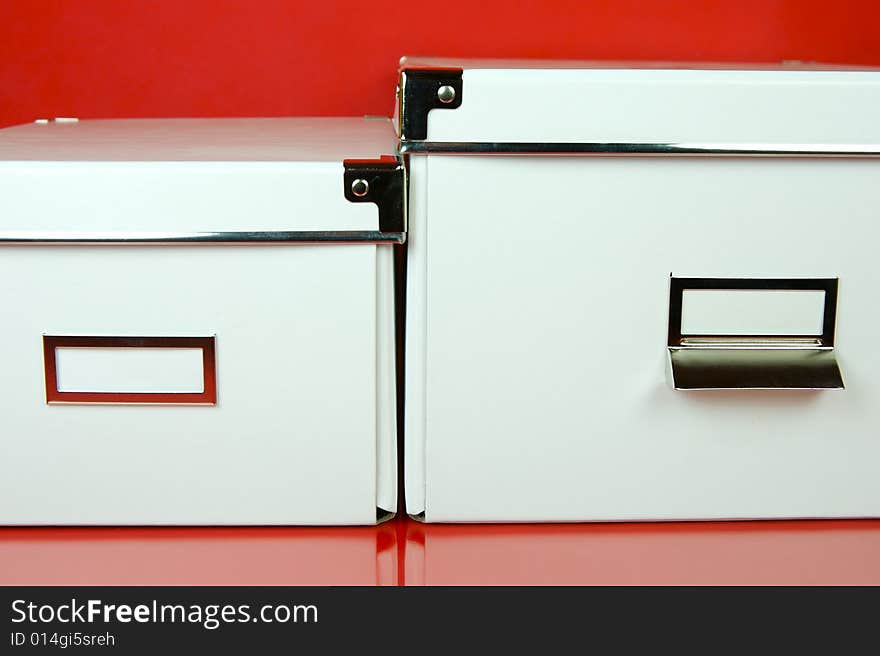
(640, 149)
(225, 237)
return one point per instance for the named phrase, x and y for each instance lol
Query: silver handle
(758, 361)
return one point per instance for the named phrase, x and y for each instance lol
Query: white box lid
(571, 102)
(186, 175)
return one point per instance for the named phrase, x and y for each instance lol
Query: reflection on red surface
(801, 552)
(198, 556)
(761, 553)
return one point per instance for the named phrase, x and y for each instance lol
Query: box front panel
(291, 438)
(546, 367)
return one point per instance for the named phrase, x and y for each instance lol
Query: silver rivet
(446, 94)
(360, 188)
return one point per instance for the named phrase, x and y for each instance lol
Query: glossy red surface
(199, 556)
(686, 553)
(403, 552)
(105, 58)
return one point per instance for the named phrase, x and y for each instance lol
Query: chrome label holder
(753, 362)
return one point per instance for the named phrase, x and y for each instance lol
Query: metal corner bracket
(753, 362)
(420, 91)
(382, 182)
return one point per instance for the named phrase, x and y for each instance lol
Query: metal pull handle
(756, 359)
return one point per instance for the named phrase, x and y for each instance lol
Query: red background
(120, 58)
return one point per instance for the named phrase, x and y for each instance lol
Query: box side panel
(416, 327)
(386, 383)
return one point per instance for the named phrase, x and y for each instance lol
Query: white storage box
(197, 322)
(638, 294)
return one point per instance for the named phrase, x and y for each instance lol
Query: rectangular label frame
(677, 286)
(209, 370)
